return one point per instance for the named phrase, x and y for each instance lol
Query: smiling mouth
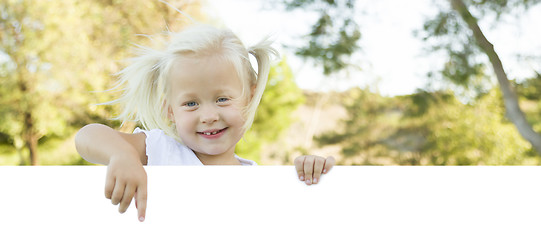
(212, 132)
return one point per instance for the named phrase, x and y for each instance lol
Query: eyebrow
(192, 95)
(185, 97)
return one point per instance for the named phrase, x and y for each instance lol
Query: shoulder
(156, 144)
(150, 135)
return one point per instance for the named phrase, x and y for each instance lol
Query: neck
(227, 158)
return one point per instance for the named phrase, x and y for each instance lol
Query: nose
(209, 115)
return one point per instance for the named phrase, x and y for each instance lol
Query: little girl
(196, 98)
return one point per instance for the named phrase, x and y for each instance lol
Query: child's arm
(310, 167)
(125, 155)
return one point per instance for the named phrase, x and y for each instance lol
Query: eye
(190, 104)
(222, 100)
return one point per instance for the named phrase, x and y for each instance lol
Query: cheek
(184, 122)
(234, 116)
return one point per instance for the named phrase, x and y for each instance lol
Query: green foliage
(463, 46)
(530, 88)
(429, 128)
(56, 60)
(447, 33)
(370, 117)
(333, 38)
(273, 117)
(36, 82)
(470, 134)
(501, 7)
(529, 91)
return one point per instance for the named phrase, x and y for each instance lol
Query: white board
(269, 202)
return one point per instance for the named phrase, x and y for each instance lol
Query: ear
(252, 91)
(170, 114)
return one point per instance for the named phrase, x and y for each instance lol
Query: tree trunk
(29, 134)
(31, 138)
(513, 111)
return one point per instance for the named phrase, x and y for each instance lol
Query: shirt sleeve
(156, 146)
(245, 162)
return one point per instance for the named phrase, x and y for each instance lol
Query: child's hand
(126, 178)
(310, 167)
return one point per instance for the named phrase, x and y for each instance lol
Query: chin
(212, 152)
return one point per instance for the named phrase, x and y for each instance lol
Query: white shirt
(165, 150)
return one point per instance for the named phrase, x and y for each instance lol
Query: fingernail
(315, 180)
(141, 219)
(308, 181)
(302, 178)
(324, 170)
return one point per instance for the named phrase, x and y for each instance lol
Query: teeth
(212, 133)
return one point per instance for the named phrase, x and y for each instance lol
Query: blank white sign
(269, 202)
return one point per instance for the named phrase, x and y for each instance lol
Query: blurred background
(423, 82)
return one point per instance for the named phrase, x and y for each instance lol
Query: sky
(392, 60)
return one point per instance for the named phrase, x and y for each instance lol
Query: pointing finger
(141, 200)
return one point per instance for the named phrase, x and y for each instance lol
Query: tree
(335, 35)
(27, 112)
(464, 34)
(58, 57)
(464, 44)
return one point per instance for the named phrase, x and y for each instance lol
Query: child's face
(206, 105)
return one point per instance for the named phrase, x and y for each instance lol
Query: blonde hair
(146, 82)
